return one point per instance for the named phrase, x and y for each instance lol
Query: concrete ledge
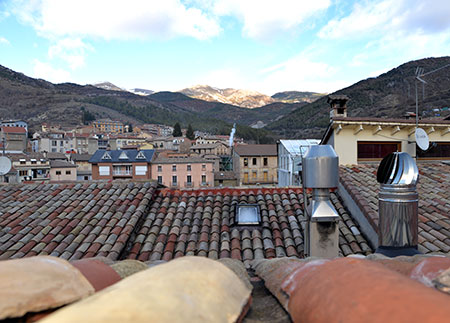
(367, 229)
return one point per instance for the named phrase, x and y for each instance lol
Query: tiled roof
(202, 223)
(434, 200)
(132, 220)
(13, 129)
(61, 164)
(70, 221)
(256, 150)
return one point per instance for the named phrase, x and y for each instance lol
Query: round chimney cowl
(321, 167)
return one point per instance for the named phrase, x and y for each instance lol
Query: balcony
(188, 184)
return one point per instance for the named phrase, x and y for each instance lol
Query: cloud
(133, 19)
(400, 17)
(301, 73)
(49, 73)
(266, 19)
(72, 51)
(4, 41)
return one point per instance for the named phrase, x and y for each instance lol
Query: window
(33, 161)
(68, 172)
(245, 177)
(58, 172)
(22, 161)
(203, 179)
(140, 170)
(174, 168)
(265, 161)
(174, 180)
(245, 162)
(377, 149)
(437, 150)
(160, 179)
(266, 176)
(248, 214)
(203, 167)
(189, 180)
(254, 174)
(254, 161)
(103, 170)
(23, 173)
(159, 168)
(188, 168)
(54, 143)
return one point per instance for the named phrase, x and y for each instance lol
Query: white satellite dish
(5, 165)
(422, 139)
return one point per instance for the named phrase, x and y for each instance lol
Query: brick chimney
(338, 104)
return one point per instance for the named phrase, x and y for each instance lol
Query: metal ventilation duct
(398, 205)
(321, 173)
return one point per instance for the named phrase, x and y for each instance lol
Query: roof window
(248, 214)
(123, 155)
(106, 155)
(140, 155)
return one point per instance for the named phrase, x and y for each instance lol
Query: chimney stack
(338, 104)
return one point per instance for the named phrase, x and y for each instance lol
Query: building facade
(121, 164)
(256, 164)
(108, 126)
(358, 139)
(62, 171)
(183, 171)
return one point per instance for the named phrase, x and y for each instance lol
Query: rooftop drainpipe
(321, 172)
(398, 205)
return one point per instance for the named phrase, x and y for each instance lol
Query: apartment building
(108, 126)
(121, 164)
(255, 164)
(183, 171)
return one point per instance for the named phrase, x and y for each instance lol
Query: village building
(368, 139)
(121, 164)
(34, 167)
(62, 171)
(84, 168)
(177, 170)
(256, 164)
(108, 126)
(14, 139)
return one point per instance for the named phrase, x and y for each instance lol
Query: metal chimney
(321, 172)
(398, 205)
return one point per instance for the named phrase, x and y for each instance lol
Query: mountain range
(238, 97)
(388, 95)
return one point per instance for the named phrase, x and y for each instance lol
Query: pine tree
(177, 130)
(190, 133)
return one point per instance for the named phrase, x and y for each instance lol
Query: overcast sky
(262, 45)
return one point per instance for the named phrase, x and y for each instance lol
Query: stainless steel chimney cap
(321, 167)
(398, 168)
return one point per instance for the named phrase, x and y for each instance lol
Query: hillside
(296, 96)
(388, 95)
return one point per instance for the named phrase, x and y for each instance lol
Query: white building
(290, 158)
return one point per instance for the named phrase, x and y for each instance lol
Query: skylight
(248, 214)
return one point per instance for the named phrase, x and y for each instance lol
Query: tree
(177, 130)
(190, 133)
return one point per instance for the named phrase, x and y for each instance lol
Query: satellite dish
(5, 165)
(422, 139)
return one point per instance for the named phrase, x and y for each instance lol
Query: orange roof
(14, 130)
